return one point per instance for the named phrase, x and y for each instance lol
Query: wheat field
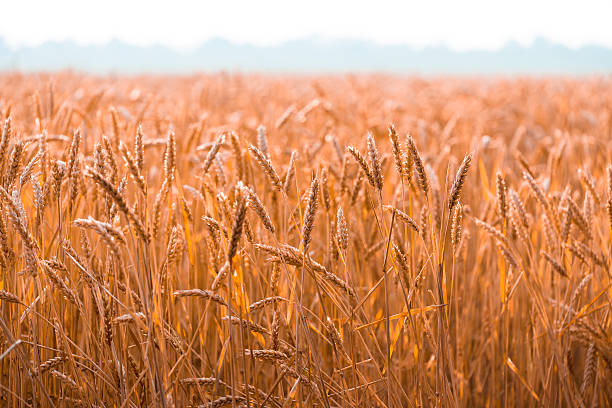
(280, 241)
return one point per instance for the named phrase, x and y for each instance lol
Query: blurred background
(469, 37)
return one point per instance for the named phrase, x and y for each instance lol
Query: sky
(183, 25)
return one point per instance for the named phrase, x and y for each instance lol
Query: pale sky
(183, 24)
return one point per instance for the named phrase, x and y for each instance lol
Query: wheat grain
(455, 193)
(418, 165)
(267, 167)
(309, 214)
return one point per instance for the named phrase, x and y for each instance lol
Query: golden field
(243, 240)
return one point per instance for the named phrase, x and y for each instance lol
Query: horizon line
(314, 38)
(310, 55)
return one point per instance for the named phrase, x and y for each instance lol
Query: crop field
(323, 241)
